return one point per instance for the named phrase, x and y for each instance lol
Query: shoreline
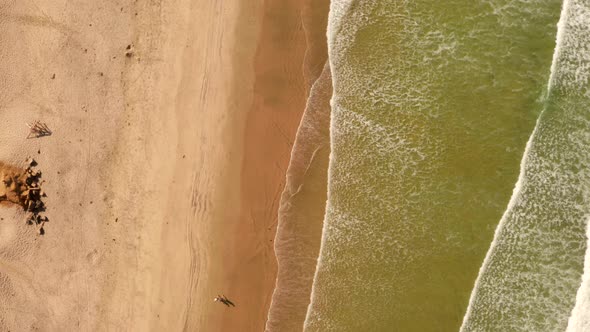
(301, 212)
(302, 204)
(272, 120)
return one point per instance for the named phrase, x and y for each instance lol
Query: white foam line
(521, 177)
(511, 203)
(334, 19)
(558, 41)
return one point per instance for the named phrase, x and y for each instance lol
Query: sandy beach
(172, 127)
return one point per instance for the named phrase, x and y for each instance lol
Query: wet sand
(301, 213)
(303, 200)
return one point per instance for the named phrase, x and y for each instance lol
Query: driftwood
(38, 129)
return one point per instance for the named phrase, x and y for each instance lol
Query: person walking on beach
(223, 299)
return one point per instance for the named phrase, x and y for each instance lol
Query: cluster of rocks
(25, 190)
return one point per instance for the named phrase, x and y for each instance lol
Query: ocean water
(433, 105)
(533, 270)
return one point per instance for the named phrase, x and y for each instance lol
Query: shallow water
(433, 105)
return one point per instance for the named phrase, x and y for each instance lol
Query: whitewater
(455, 152)
(432, 107)
(532, 272)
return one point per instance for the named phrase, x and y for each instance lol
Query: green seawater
(532, 276)
(433, 104)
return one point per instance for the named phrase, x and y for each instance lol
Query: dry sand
(172, 126)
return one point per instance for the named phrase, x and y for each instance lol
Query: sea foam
(529, 278)
(431, 109)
